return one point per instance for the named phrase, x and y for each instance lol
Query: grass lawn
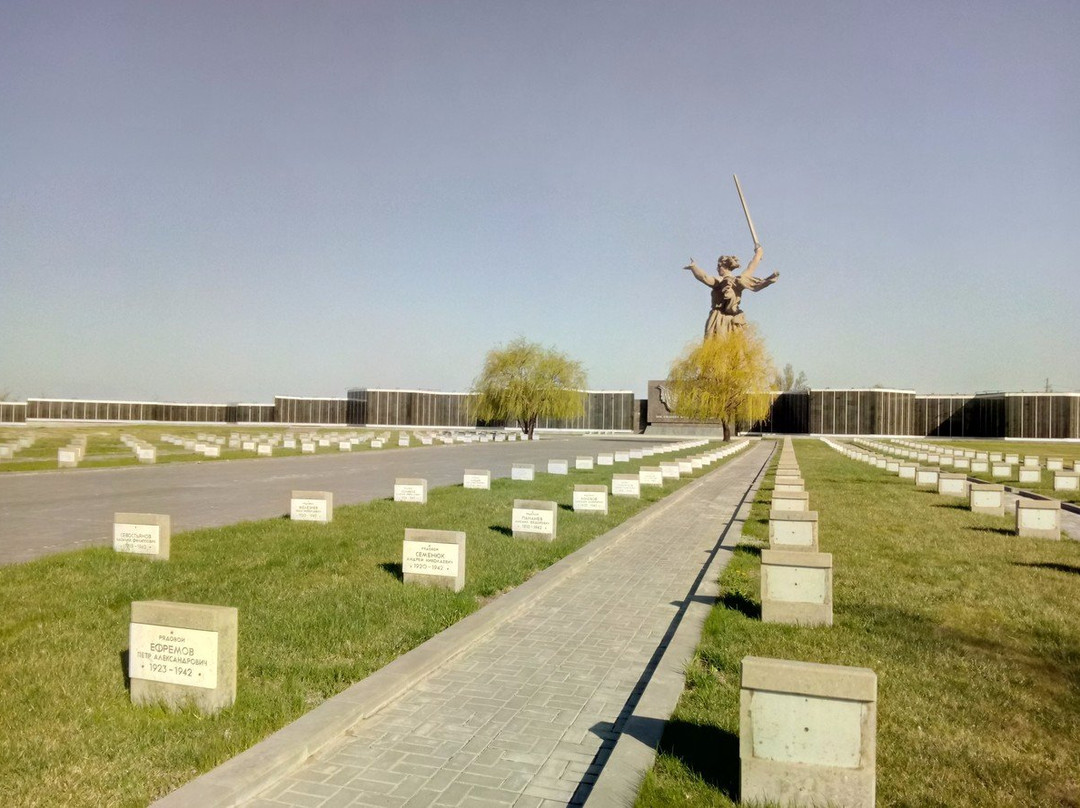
(320, 606)
(973, 632)
(104, 447)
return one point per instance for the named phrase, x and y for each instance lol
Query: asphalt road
(50, 512)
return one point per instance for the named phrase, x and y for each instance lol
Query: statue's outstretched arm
(757, 284)
(699, 274)
(752, 266)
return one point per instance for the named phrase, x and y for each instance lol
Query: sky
(228, 201)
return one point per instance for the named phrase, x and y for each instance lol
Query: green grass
(320, 607)
(973, 633)
(105, 449)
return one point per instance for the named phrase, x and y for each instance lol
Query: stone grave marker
(523, 471)
(534, 519)
(410, 489)
(583, 463)
(1031, 461)
(146, 534)
(1001, 470)
(786, 484)
(307, 447)
(344, 446)
(980, 466)
(988, 498)
(651, 475)
(265, 450)
(67, 457)
(1067, 480)
(146, 454)
(558, 467)
(926, 477)
(477, 478)
(182, 655)
(907, 471)
(791, 501)
(622, 456)
(434, 558)
(591, 499)
(793, 530)
(311, 506)
(685, 467)
(953, 485)
(1012, 458)
(626, 485)
(796, 588)
(605, 459)
(670, 470)
(1030, 474)
(1038, 518)
(807, 733)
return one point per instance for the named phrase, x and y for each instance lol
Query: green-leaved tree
(524, 382)
(725, 378)
(787, 381)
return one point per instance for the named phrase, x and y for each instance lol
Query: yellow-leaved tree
(525, 381)
(725, 378)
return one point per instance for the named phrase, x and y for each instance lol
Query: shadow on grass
(738, 602)
(709, 752)
(1001, 531)
(565, 507)
(749, 549)
(1047, 565)
(955, 506)
(502, 529)
(394, 569)
(125, 666)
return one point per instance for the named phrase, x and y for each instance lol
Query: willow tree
(725, 378)
(524, 382)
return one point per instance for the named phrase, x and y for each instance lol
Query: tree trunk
(727, 432)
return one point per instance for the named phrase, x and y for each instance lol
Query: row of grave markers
(807, 731)
(999, 465)
(264, 445)
(11, 448)
(184, 654)
(1035, 518)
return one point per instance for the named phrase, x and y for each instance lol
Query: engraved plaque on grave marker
(142, 534)
(311, 506)
(626, 485)
(477, 478)
(410, 489)
(592, 498)
(532, 519)
(434, 558)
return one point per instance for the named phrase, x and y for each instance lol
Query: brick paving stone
(527, 717)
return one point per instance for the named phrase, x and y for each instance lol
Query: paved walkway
(527, 716)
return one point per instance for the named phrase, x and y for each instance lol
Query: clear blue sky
(224, 201)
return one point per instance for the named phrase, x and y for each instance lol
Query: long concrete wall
(829, 412)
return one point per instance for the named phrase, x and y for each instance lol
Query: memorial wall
(873, 411)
